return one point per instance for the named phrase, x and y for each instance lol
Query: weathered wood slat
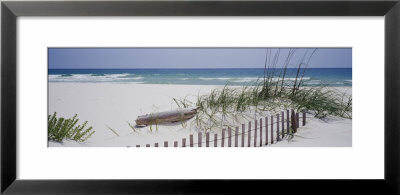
(183, 142)
(223, 138)
(175, 144)
(255, 133)
(272, 129)
(249, 135)
(243, 129)
(293, 121)
(266, 130)
(215, 140)
(199, 137)
(304, 118)
(166, 144)
(229, 137)
(156, 145)
(287, 122)
(137, 146)
(208, 139)
(236, 137)
(283, 125)
(147, 145)
(191, 140)
(298, 120)
(261, 125)
(277, 128)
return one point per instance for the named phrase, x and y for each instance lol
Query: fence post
(266, 130)
(298, 120)
(293, 121)
(156, 145)
(304, 118)
(223, 138)
(137, 146)
(277, 128)
(199, 136)
(184, 142)
(175, 144)
(215, 140)
(287, 122)
(272, 129)
(229, 137)
(166, 144)
(261, 131)
(249, 135)
(147, 145)
(191, 140)
(236, 137)
(243, 128)
(283, 124)
(207, 139)
(255, 133)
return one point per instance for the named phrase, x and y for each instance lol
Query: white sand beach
(114, 105)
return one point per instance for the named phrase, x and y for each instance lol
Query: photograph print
(199, 97)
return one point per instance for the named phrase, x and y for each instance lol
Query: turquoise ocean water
(240, 76)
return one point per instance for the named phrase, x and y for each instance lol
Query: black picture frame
(11, 10)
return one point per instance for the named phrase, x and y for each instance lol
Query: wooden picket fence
(264, 131)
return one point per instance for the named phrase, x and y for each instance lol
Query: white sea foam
(132, 78)
(290, 79)
(92, 78)
(313, 82)
(137, 78)
(246, 79)
(221, 78)
(118, 75)
(130, 82)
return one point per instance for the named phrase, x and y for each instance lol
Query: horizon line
(175, 68)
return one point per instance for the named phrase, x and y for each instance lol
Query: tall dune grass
(272, 92)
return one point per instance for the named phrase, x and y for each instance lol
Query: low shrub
(65, 128)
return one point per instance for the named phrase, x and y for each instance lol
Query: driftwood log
(166, 117)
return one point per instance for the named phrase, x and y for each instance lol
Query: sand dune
(114, 105)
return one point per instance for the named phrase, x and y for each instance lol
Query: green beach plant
(275, 91)
(65, 128)
(131, 126)
(112, 130)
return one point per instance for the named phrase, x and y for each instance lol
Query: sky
(136, 58)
